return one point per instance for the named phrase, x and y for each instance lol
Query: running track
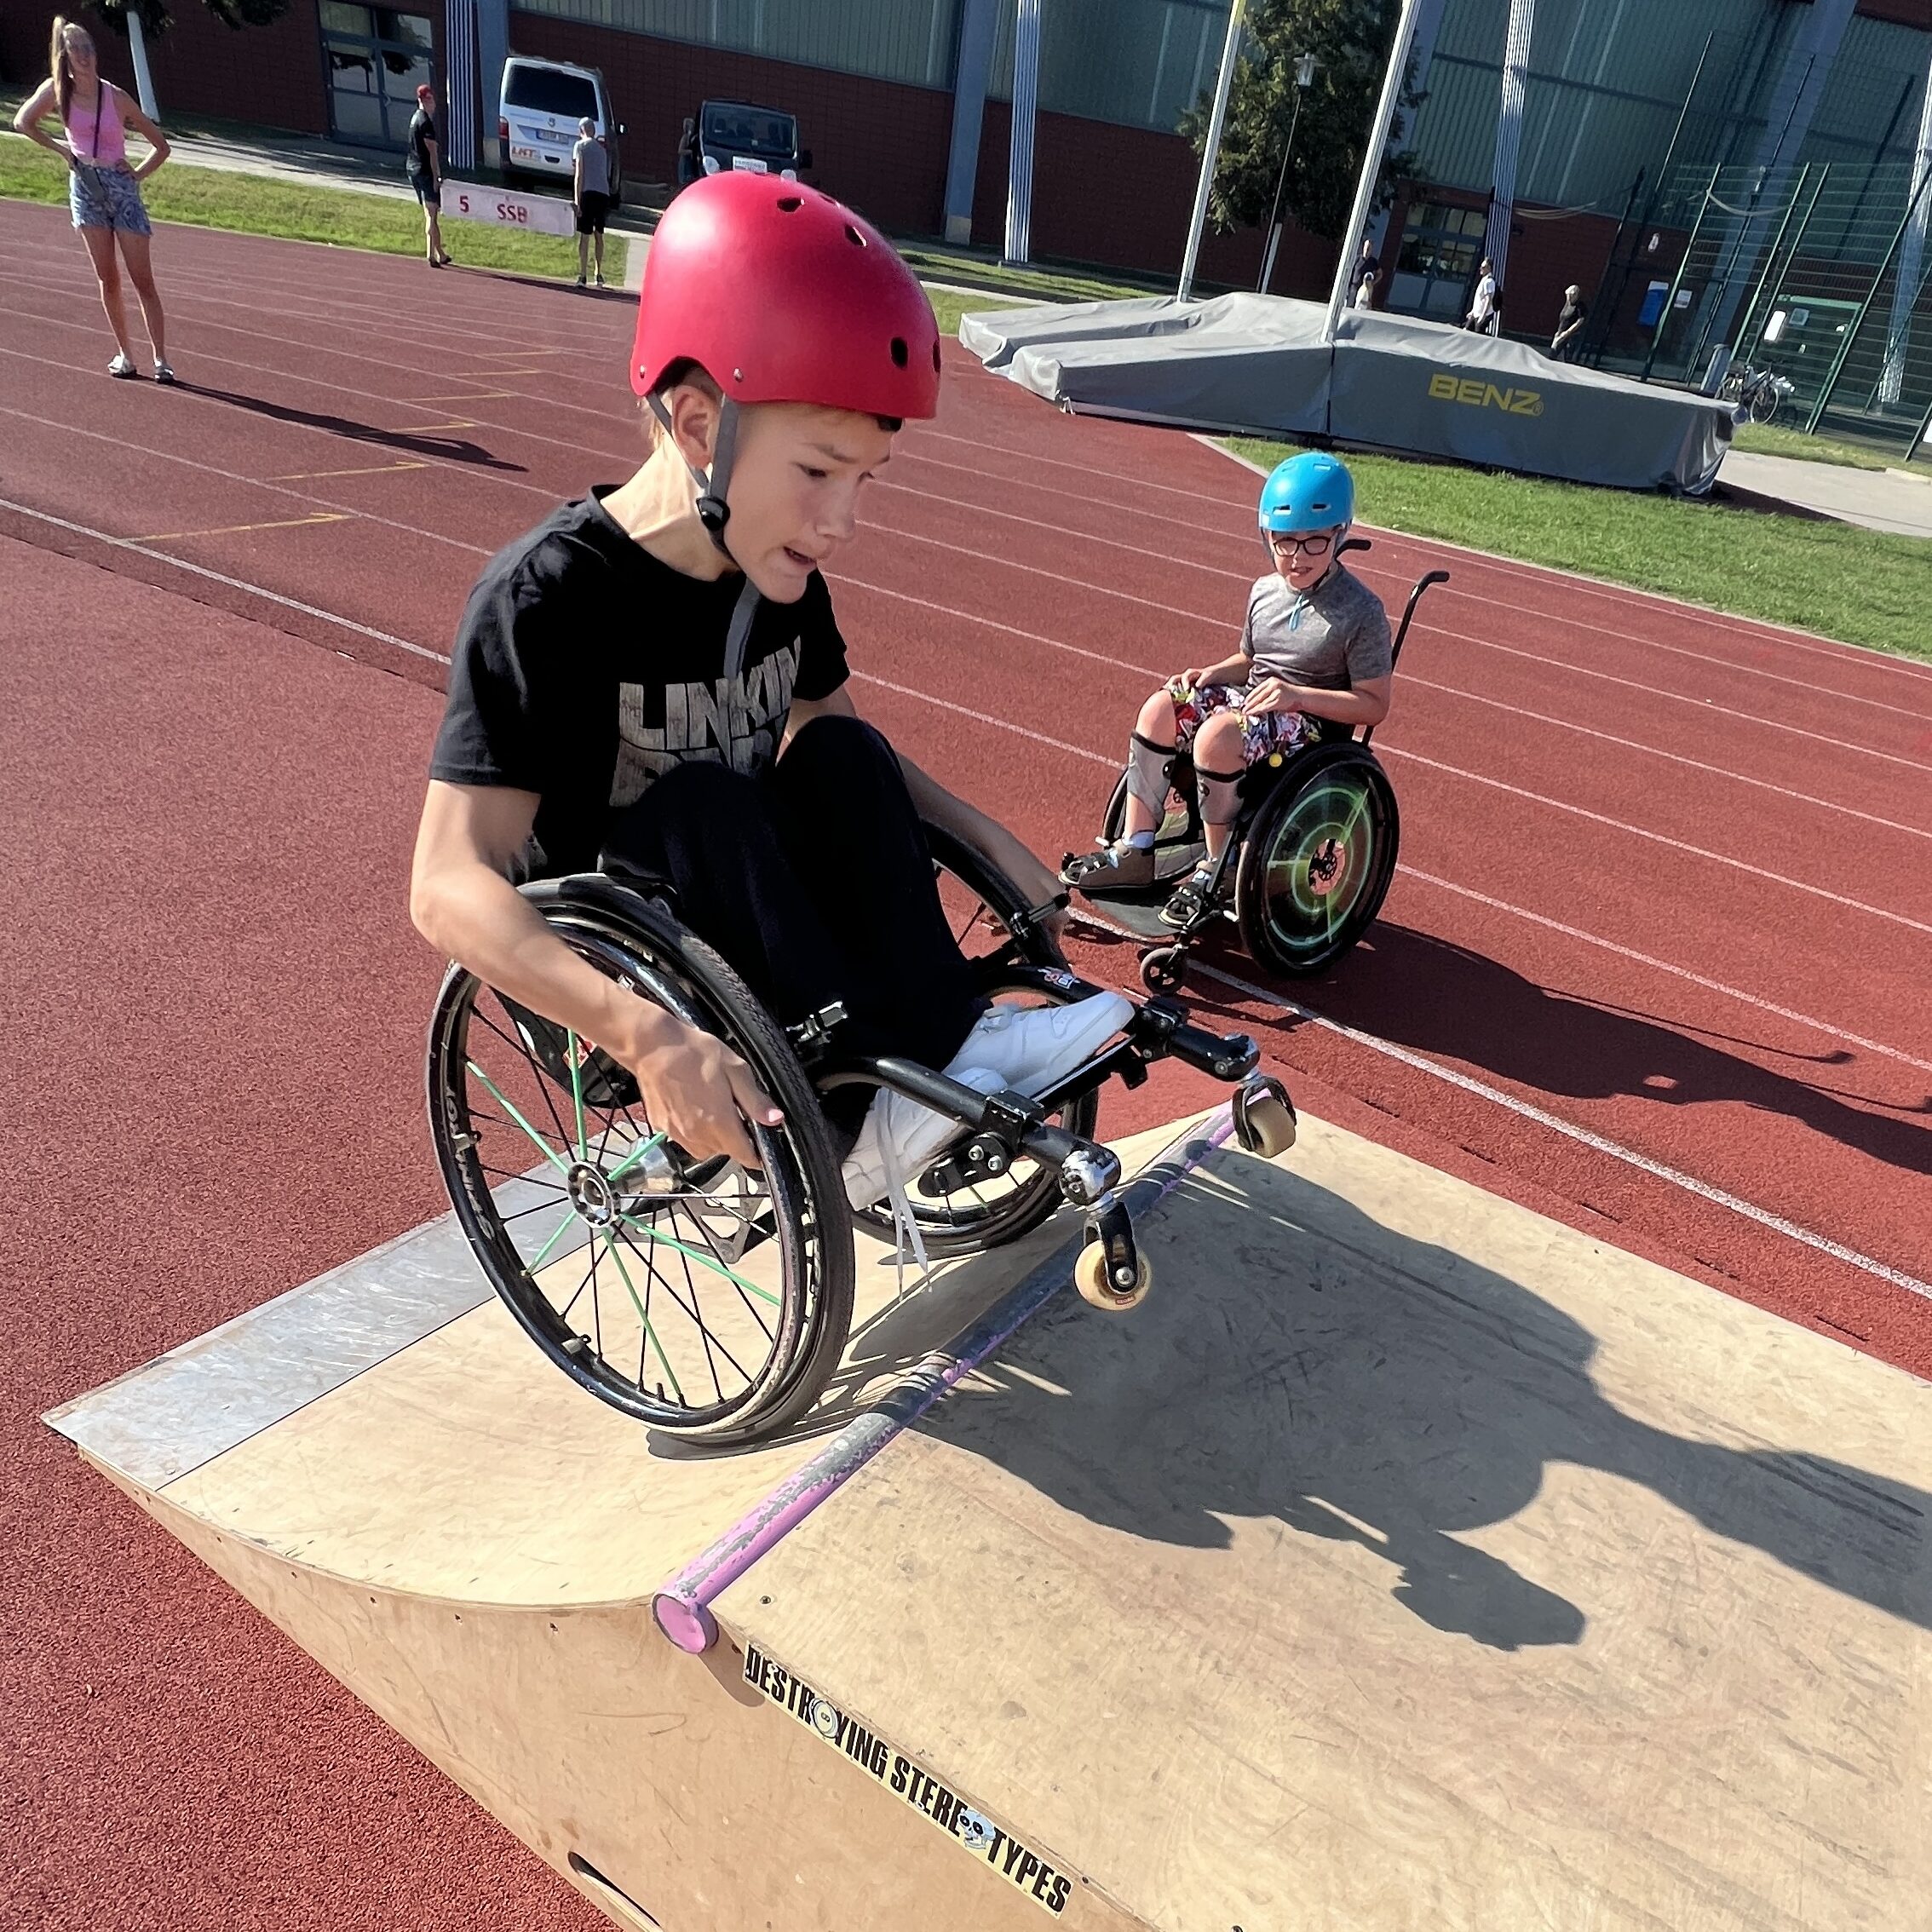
(1655, 963)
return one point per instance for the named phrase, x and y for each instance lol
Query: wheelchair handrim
(1322, 863)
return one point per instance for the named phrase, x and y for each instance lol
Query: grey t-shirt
(1334, 638)
(595, 159)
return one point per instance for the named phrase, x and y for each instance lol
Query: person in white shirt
(590, 190)
(1482, 310)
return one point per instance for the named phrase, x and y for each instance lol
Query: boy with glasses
(1314, 661)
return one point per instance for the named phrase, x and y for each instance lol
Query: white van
(541, 102)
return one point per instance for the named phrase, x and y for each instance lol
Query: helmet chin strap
(713, 511)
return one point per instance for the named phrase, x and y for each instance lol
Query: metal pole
(1683, 115)
(1280, 189)
(1598, 332)
(1747, 342)
(1372, 161)
(1210, 154)
(1020, 151)
(1676, 280)
(1858, 320)
(137, 51)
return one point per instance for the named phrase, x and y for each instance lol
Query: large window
(1142, 63)
(1440, 247)
(377, 59)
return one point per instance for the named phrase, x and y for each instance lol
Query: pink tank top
(96, 133)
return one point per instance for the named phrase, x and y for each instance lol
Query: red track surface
(1656, 962)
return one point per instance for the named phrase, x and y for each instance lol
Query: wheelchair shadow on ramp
(1302, 1362)
(1443, 1000)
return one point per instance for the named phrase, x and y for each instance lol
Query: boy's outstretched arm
(1038, 884)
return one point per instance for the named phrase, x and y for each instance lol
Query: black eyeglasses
(1310, 546)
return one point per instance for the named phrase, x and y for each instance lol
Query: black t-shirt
(422, 132)
(1370, 266)
(585, 667)
(1572, 312)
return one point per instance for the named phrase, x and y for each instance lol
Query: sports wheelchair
(1312, 853)
(712, 1301)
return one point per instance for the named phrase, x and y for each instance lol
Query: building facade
(1548, 128)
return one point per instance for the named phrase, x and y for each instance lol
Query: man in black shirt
(426, 173)
(653, 679)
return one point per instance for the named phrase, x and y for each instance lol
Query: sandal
(1191, 901)
(1118, 867)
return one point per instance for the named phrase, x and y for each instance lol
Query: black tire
(980, 902)
(1180, 830)
(1163, 969)
(1317, 863)
(514, 1104)
(1763, 403)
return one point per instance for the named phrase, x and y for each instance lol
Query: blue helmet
(1313, 491)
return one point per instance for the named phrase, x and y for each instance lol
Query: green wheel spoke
(509, 1105)
(697, 1255)
(650, 1333)
(637, 1154)
(576, 1095)
(542, 1254)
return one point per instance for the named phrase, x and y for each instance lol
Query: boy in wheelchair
(1313, 659)
(652, 683)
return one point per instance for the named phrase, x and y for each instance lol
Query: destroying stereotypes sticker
(1016, 1862)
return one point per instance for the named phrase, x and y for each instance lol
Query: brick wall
(877, 145)
(271, 75)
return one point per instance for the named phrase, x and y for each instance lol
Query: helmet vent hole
(935, 357)
(790, 204)
(852, 236)
(901, 354)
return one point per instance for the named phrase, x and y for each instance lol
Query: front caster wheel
(1264, 1117)
(1116, 1288)
(1162, 969)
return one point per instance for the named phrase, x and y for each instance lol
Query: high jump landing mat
(1406, 1560)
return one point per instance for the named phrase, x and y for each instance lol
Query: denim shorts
(106, 198)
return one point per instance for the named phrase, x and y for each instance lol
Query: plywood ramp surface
(1407, 1561)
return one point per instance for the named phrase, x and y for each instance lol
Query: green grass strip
(1860, 586)
(261, 204)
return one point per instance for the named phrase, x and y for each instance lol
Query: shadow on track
(412, 442)
(1360, 1386)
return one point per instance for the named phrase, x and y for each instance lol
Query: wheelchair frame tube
(682, 1606)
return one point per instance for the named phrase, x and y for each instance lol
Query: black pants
(816, 883)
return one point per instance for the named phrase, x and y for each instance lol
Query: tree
(157, 16)
(1350, 41)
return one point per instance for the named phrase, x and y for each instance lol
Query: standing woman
(103, 190)
(426, 173)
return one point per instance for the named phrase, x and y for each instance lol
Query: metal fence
(1817, 273)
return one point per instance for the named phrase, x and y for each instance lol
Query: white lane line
(233, 583)
(1826, 1028)
(1657, 839)
(1598, 1143)
(1408, 678)
(280, 487)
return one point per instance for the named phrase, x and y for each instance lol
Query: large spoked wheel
(1317, 864)
(958, 1213)
(1764, 400)
(706, 1300)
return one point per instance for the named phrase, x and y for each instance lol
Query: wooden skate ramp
(1407, 1561)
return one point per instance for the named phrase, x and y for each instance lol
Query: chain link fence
(1816, 274)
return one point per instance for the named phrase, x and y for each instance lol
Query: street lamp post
(1304, 77)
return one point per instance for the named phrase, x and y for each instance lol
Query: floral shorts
(106, 198)
(1260, 736)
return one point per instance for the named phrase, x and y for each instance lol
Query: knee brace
(1148, 767)
(1221, 795)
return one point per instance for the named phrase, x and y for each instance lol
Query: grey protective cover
(1258, 363)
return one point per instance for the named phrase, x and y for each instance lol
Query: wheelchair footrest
(1162, 1025)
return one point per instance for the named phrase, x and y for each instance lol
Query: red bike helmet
(780, 293)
